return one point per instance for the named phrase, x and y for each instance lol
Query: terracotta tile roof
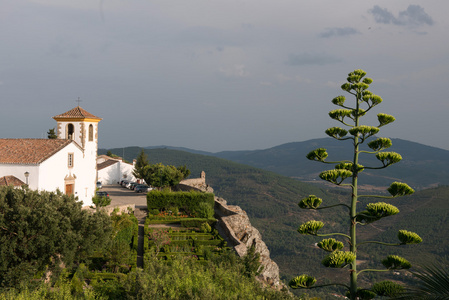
(104, 156)
(106, 164)
(29, 151)
(78, 113)
(11, 180)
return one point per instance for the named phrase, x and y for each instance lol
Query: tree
(251, 262)
(159, 175)
(350, 116)
(100, 201)
(141, 163)
(51, 134)
(159, 238)
(39, 230)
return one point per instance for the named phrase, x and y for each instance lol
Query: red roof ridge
(78, 113)
(11, 180)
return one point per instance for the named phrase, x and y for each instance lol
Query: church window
(70, 131)
(91, 133)
(70, 160)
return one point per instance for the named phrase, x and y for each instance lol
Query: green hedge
(196, 222)
(191, 202)
(186, 222)
(106, 276)
(186, 236)
(208, 242)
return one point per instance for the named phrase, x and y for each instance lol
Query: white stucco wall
(18, 170)
(127, 169)
(109, 174)
(55, 170)
(114, 173)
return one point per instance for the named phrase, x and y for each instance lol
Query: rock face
(234, 225)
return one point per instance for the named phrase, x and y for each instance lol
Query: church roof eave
(30, 151)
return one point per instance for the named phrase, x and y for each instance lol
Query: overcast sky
(221, 74)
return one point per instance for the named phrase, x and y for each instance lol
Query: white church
(68, 163)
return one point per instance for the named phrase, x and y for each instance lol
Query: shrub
(205, 227)
(154, 211)
(204, 210)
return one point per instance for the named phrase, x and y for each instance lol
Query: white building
(67, 163)
(112, 170)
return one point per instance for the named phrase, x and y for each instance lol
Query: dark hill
(421, 167)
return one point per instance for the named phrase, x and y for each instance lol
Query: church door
(69, 189)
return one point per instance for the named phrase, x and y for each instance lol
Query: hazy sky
(221, 74)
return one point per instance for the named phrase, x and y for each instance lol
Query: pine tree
(51, 134)
(141, 163)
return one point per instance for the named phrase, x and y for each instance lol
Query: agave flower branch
(350, 116)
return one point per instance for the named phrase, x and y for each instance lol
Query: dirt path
(140, 214)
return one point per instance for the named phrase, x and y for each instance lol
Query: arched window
(70, 131)
(91, 133)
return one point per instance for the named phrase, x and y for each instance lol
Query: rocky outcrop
(234, 225)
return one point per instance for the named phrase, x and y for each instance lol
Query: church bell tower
(81, 127)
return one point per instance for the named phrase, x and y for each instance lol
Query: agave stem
(373, 270)
(380, 243)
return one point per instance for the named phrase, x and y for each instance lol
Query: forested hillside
(271, 202)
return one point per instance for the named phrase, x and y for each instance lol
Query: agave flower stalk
(348, 170)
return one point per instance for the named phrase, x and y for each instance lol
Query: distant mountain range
(421, 166)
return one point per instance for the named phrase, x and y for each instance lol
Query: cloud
(311, 59)
(333, 84)
(337, 31)
(414, 15)
(236, 71)
(285, 78)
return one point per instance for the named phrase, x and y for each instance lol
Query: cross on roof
(79, 100)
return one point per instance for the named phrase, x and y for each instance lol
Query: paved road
(123, 196)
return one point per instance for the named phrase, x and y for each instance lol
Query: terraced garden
(169, 234)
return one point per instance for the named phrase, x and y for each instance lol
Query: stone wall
(198, 183)
(109, 209)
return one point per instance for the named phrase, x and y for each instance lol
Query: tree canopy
(39, 230)
(159, 175)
